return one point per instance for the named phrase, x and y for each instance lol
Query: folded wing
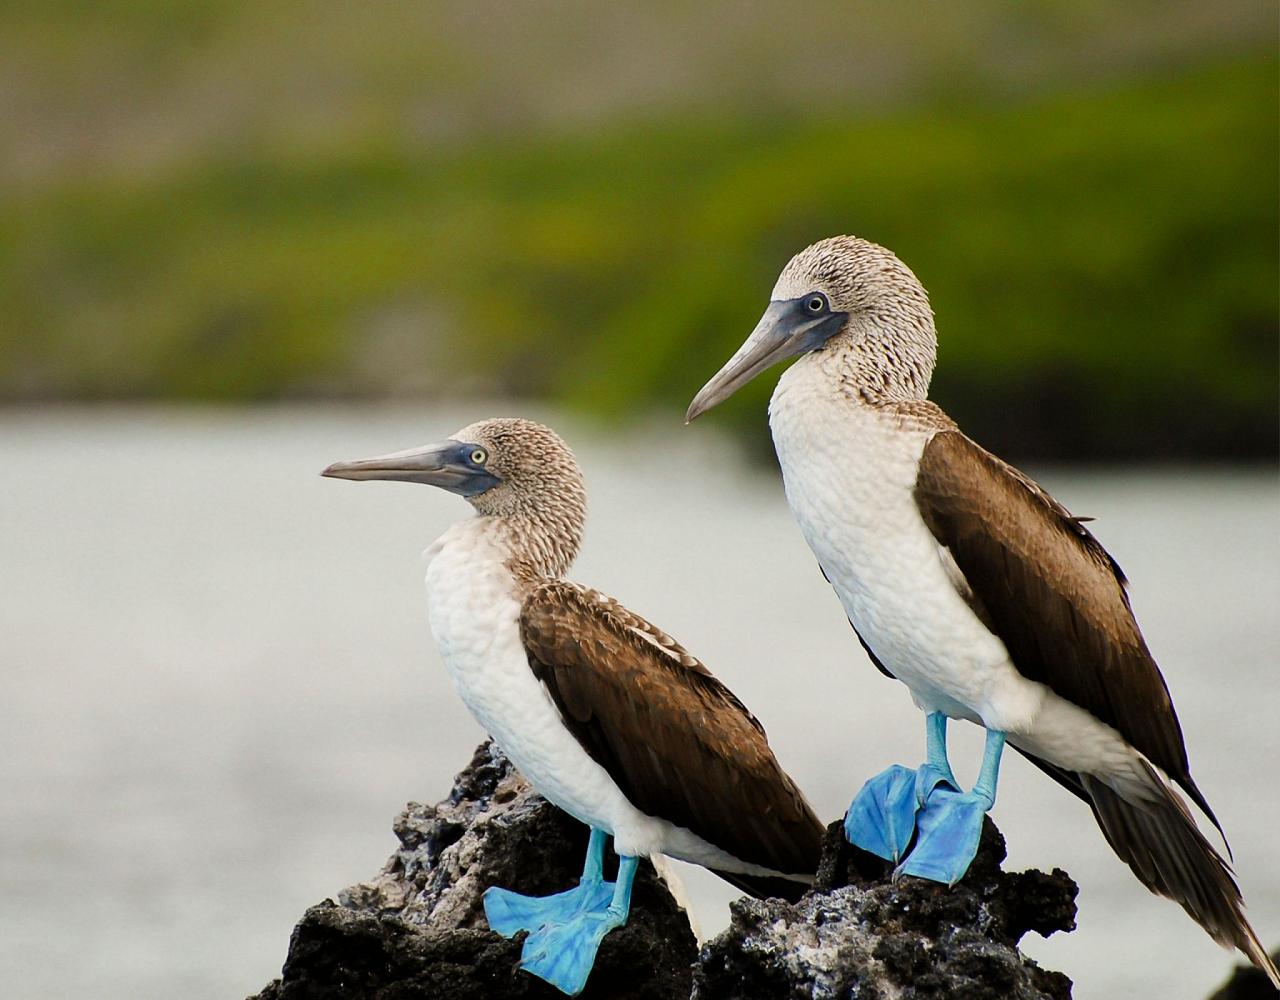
(678, 743)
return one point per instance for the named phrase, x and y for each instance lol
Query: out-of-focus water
(219, 686)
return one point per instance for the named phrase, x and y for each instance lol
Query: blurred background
(238, 201)
(242, 240)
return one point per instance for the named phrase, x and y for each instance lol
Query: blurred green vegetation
(1103, 264)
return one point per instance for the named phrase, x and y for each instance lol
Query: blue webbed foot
(509, 912)
(882, 818)
(950, 825)
(947, 839)
(563, 953)
(565, 929)
(926, 805)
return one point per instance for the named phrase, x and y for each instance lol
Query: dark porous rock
(1248, 983)
(418, 931)
(862, 934)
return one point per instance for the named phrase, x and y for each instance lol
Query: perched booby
(606, 715)
(969, 583)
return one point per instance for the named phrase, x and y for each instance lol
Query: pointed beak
(784, 331)
(443, 465)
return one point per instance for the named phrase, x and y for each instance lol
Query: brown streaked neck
(541, 545)
(881, 361)
(538, 512)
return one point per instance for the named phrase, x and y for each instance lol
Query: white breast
(475, 615)
(474, 611)
(849, 472)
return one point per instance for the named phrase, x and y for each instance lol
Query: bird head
(841, 293)
(505, 467)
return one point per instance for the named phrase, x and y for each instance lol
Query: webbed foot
(949, 826)
(509, 912)
(565, 930)
(563, 953)
(882, 818)
(947, 834)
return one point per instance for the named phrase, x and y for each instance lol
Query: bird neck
(539, 544)
(537, 518)
(882, 360)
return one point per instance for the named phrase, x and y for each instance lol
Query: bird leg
(936, 770)
(593, 865)
(567, 928)
(882, 818)
(950, 824)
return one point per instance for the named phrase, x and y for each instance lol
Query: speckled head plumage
(854, 302)
(858, 277)
(540, 489)
(534, 466)
(889, 335)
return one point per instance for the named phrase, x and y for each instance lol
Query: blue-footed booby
(968, 582)
(606, 715)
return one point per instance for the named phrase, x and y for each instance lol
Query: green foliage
(1095, 260)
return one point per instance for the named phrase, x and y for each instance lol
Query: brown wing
(1045, 586)
(676, 740)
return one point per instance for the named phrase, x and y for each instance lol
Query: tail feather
(1163, 846)
(767, 886)
(1161, 843)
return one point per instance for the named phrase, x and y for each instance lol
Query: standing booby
(605, 715)
(968, 582)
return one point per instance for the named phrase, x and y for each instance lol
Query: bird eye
(816, 303)
(478, 456)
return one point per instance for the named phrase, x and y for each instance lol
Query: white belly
(849, 476)
(474, 614)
